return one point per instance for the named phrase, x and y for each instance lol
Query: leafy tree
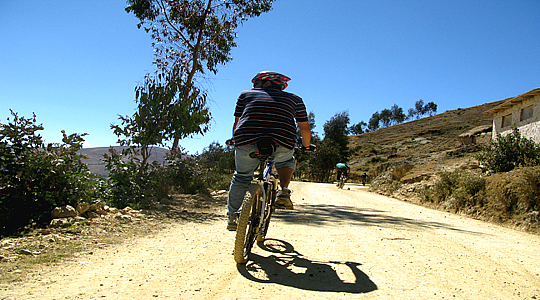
(509, 151)
(324, 160)
(218, 158)
(191, 37)
(421, 110)
(430, 108)
(373, 123)
(358, 128)
(163, 113)
(397, 114)
(385, 117)
(336, 131)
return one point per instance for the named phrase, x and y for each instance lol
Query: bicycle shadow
(291, 268)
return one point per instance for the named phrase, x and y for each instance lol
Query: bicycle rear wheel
(246, 231)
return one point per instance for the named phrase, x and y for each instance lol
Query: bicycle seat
(266, 148)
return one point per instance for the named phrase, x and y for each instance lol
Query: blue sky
(75, 63)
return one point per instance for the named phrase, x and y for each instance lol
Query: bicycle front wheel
(248, 221)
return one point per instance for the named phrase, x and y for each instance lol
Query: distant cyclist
(342, 168)
(266, 112)
(364, 178)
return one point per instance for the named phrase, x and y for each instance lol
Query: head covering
(273, 77)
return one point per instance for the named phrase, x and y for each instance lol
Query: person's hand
(310, 148)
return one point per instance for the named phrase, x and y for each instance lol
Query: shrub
(458, 190)
(507, 152)
(35, 178)
(136, 186)
(126, 184)
(515, 192)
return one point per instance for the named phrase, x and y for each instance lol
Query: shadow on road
(327, 214)
(290, 268)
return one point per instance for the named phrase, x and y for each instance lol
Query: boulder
(63, 212)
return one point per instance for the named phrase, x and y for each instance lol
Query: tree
(385, 117)
(430, 108)
(421, 110)
(218, 158)
(397, 114)
(163, 113)
(191, 37)
(374, 121)
(358, 128)
(324, 160)
(336, 130)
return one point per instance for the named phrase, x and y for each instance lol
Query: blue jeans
(246, 166)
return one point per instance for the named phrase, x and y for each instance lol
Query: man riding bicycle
(342, 168)
(266, 112)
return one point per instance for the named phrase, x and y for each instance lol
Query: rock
(63, 212)
(83, 207)
(61, 222)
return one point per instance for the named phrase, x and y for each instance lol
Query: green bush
(507, 152)
(126, 183)
(35, 178)
(458, 190)
(136, 186)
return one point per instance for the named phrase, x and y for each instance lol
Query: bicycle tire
(266, 223)
(247, 223)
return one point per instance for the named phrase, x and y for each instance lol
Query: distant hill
(427, 135)
(429, 144)
(96, 164)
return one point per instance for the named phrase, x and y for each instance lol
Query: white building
(522, 111)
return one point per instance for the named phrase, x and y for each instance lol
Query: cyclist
(341, 168)
(364, 178)
(266, 112)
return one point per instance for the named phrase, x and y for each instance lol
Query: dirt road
(337, 244)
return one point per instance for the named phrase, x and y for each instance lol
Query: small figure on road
(341, 168)
(364, 178)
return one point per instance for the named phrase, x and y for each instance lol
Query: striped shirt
(268, 113)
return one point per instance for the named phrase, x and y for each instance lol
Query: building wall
(529, 128)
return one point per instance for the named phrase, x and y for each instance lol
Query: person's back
(342, 166)
(342, 169)
(268, 113)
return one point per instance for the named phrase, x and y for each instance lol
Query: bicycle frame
(265, 182)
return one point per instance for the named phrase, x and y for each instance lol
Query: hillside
(96, 164)
(401, 157)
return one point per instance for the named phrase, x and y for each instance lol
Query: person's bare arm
(305, 131)
(234, 125)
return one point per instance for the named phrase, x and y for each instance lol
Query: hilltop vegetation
(424, 161)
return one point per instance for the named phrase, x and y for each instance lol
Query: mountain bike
(258, 204)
